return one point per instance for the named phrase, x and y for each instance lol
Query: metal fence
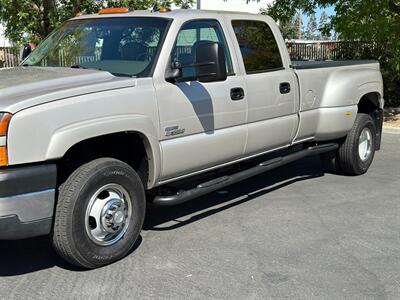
(9, 57)
(331, 50)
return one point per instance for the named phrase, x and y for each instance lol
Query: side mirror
(209, 65)
(25, 51)
(210, 61)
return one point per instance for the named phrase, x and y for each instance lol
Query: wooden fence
(9, 57)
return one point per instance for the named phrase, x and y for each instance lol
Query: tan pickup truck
(119, 110)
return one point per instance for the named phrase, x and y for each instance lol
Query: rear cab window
(258, 46)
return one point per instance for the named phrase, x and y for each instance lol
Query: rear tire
(99, 214)
(353, 158)
(357, 151)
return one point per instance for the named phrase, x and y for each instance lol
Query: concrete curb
(391, 130)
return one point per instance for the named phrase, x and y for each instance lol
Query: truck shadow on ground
(31, 255)
(168, 218)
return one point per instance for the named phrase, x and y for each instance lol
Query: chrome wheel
(108, 215)
(365, 144)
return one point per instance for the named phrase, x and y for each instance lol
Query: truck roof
(173, 14)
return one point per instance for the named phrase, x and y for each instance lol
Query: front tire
(99, 214)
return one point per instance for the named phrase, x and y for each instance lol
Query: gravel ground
(291, 233)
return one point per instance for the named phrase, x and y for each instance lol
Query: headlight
(5, 119)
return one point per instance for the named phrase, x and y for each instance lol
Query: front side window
(258, 46)
(193, 33)
(121, 46)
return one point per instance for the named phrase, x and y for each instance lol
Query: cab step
(218, 183)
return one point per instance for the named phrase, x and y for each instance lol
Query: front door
(201, 126)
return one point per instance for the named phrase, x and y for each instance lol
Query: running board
(216, 184)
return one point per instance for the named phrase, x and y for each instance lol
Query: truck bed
(306, 64)
(329, 90)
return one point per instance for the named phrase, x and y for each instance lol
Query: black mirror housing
(210, 61)
(210, 64)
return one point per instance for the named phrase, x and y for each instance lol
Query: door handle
(285, 88)
(237, 94)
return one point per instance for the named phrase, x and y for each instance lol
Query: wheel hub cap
(365, 144)
(108, 215)
(113, 215)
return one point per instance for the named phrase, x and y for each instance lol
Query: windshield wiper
(99, 69)
(121, 75)
(78, 67)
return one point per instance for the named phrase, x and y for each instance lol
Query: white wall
(3, 41)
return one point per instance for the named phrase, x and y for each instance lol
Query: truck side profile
(120, 110)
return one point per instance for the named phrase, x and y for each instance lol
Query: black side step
(224, 181)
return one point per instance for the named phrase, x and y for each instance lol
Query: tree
(312, 27)
(376, 22)
(298, 24)
(35, 19)
(324, 26)
(289, 29)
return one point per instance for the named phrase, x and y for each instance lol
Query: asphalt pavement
(293, 233)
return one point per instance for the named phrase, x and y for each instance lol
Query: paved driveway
(291, 233)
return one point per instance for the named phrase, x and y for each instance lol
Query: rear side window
(258, 46)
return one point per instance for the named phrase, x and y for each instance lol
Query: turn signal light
(164, 9)
(113, 10)
(4, 122)
(3, 157)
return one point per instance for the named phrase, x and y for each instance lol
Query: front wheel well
(128, 147)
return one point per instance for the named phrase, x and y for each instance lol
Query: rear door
(271, 86)
(201, 126)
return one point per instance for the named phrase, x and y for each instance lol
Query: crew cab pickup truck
(120, 110)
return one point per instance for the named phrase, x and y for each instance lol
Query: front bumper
(27, 197)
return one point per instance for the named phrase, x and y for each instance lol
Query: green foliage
(312, 28)
(324, 26)
(32, 20)
(293, 29)
(289, 29)
(374, 21)
(298, 25)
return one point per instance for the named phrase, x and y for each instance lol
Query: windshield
(121, 46)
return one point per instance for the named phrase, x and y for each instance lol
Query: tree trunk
(48, 7)
(75, 6)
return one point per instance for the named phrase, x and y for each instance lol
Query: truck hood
(24, 87)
